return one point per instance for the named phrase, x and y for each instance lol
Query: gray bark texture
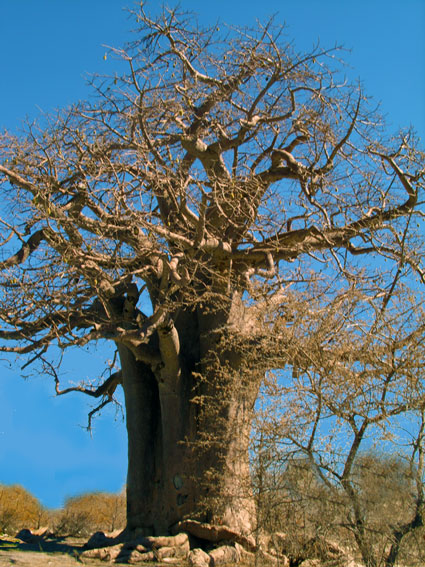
(188, 436)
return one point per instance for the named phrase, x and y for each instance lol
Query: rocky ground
(199, 545)
(55, 552)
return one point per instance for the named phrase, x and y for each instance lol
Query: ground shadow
(51, 545)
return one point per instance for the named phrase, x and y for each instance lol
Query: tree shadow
(44, 545)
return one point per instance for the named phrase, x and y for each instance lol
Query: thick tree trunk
(144, 442)
(187, 439)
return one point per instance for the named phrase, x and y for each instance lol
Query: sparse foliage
(189, 213)
(345, 435)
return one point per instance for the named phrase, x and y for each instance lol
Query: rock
(180, 552)
(264, 558)
(224, 554)
(166, 549)
(98, 539)
(109, 553)
(44, 532)
(156, 542)
(215, 534)
(199, 558)
(134, 545)
(311, 563)
(33, 536)
(247, 557)
(135, 557)
(25, 535)
(103, 539)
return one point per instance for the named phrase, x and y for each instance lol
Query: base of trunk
(207, 545)
(191, 540)
(183, 461)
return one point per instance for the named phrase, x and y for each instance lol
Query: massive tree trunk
(188, 423)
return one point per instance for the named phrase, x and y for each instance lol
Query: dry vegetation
(339, 442)
(294, 500)
(81, 515)
(19, 509)
(291, 498)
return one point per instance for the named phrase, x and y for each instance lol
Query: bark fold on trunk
(188, 424)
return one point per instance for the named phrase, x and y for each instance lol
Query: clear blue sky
(46, 49)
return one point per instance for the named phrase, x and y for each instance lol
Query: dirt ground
(58, 552)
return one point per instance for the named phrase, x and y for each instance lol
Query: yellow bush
(19, 509)
(88, 513)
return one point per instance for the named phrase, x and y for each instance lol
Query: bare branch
(106, 389)
(28, 248)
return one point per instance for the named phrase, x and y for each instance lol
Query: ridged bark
(188, 437)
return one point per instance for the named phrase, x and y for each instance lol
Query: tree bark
(188, 434)
(144, 442)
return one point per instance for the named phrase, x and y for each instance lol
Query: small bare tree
(172, 214)
(353, 416)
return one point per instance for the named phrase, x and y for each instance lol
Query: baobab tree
(172, 215)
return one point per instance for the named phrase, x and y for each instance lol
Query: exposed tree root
(202, 545)
(215, 534)
(211, 545)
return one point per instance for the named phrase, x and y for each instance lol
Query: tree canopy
(204, 155)
(184, 210)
